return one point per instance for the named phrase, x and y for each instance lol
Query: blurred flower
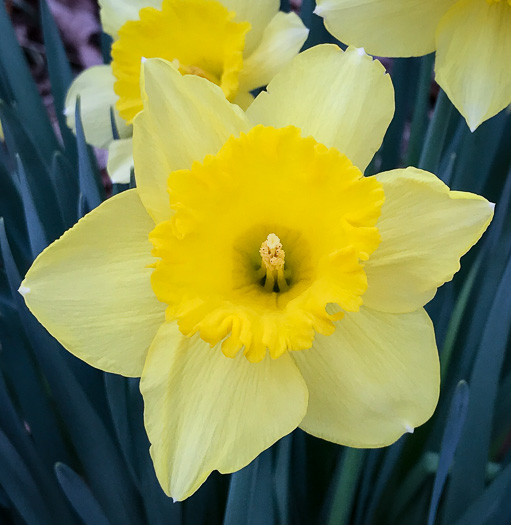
(472, 39)
(238, 44)
(278, 287)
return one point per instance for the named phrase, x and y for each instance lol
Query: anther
(273, 258)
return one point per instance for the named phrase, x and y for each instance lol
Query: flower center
(220, 281)
(198, 36)
(273, 257)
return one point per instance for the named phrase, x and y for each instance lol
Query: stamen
(273, 257)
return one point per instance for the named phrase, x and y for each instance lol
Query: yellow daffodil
(237, 44)
(472, 39)
(255, 280)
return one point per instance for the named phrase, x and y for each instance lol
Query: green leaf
(420, 115)
(455, 421)
(80, 496)
(90, 182)
(20, 486)
(250, 500)
(29, 105)
(37, 171)
(347, 482)
(366, 486)
(11, 209)
(385, 471)
(437, 132)
(60, 75)
(282, 478)
(483, 508)
(403, 73)
(468, 472)
(16, 432)
(476, 154)
(30, 393)
(66, 182)
(36, 233)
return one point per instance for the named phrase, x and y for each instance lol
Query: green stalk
(349, 474)
(457, 317)
(418, 127)
(437, 132)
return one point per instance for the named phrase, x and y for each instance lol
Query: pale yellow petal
(95, 87)
(343, 99)
(114, 13)
(185, 117)
(425, 229)
(91, 288)
(374, 379)
(120, 160)
(390, 28)
(205, 411)
(282, 40)
(473, 63)
(259, 13)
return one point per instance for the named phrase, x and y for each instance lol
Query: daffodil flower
(255, 280)
(472, 39)
(237, 44)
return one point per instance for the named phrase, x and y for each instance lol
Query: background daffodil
(471, 38)
(278, 287)
(237, 44)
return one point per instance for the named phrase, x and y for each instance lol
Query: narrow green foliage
(60, 75)
(73, 447)
(23, 90)
(419, 121)
(468, 477)
(455, 421)
(80, 496)
(437, 132)
(90, 183)
(349, 475)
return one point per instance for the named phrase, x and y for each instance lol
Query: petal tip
(319, 10)
(409, 428)
(23, 290)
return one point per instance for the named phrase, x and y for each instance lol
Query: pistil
(273, 258)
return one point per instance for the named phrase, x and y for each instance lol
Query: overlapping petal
(120, 160)
(91, 289)
(115, 13)
(205, 411)
(95, 87)
(185, 118)
(374, 379)
(397, 28)
(343, 99)
(281, 41)
(258, 13)
(472, 61)
(425, 229)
